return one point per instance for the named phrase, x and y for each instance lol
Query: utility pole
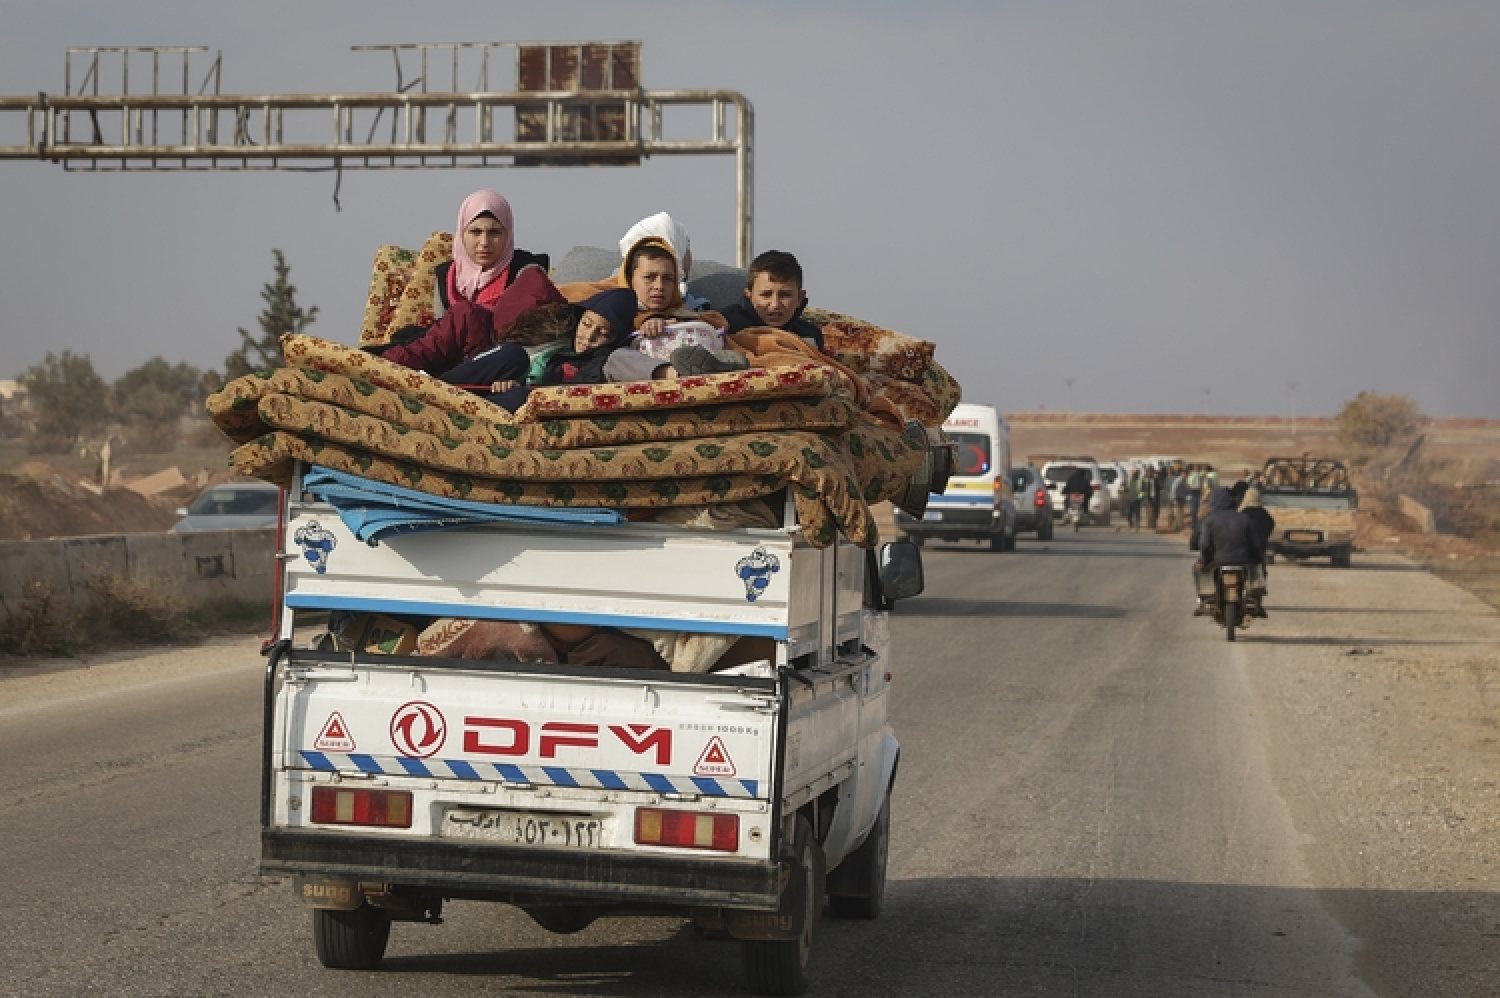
(1293, 386)
(1069, 382)
(1208, 404)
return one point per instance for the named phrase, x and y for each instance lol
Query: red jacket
(466, 329)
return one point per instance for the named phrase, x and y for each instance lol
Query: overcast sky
(1152, 199)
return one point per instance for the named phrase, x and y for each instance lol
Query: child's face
(593, 331)
(774, 301)
(653, 282)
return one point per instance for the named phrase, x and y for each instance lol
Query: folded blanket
(374, 511)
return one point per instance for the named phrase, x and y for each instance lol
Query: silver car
(238, 505)
(1033, 505)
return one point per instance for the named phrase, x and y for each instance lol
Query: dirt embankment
(41, 503)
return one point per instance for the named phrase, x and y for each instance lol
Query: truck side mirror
(901, 571)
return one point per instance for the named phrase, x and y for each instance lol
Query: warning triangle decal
(715, 760)
(335, 735)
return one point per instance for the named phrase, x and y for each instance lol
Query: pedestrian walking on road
(1176, 499)
(1195, 495)
(1151, 497)
(1132, 492)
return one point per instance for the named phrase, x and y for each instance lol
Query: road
(1098, 796)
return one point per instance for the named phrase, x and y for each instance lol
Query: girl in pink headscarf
(485, 258)
(483, 289)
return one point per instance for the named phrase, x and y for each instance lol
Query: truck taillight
(688, 829)
(382, 808)
(1041, 497)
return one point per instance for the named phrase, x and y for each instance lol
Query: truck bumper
(465, 868)
(1307, 542)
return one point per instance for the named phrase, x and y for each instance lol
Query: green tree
(281, 315)
(153, 398)
(68, 397)
(1374, 420)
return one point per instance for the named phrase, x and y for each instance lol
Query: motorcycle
(1230, 599)
(1076, 510)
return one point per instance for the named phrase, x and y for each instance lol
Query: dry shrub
(1371, 421)
(118, 608)
(111, 610)
(40, 625)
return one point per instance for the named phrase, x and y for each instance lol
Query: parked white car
(1115, 476)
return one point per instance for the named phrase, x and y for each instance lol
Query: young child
(602, 324)
(650, 271)
(774, 297)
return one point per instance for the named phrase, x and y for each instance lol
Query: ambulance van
(978, 503)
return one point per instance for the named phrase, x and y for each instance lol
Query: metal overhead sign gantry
(571, 104)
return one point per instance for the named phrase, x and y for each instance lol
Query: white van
(978, 504)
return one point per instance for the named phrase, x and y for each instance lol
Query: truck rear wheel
(351, 940)
(780, 968)
(1340, 558)
(863, 873)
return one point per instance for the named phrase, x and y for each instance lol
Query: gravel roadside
(1381, 687)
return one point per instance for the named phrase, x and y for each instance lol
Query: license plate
(932, 514)
(524, 828)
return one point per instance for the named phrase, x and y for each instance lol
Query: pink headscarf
(468, 277)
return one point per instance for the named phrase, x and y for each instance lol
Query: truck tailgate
(492, 755)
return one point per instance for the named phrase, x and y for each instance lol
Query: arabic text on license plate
(524, 828)
(933, 514)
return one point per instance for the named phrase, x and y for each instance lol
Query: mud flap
(327, 892)
(786, 923)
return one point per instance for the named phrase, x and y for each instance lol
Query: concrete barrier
(1418, 513)
(210, 566)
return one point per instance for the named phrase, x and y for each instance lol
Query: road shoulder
(1380, 686)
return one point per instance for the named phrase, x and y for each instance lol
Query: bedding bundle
(832, 434)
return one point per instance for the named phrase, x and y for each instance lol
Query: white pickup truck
(740, 798)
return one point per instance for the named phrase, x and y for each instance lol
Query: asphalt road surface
(1087, 805)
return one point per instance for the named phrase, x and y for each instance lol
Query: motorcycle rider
(1226, 537)
(1079, 483)
(1265, 525)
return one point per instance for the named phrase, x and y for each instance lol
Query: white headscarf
(661, 227)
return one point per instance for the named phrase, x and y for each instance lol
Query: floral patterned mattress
(635, 446)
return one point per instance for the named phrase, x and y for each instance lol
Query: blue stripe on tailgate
(317, 760)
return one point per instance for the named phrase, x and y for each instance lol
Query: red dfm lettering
(557, 734)
(520, 736)
(636, 739)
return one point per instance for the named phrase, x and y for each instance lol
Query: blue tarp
(374, 510)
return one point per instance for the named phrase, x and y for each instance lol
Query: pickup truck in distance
(1314, 506)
